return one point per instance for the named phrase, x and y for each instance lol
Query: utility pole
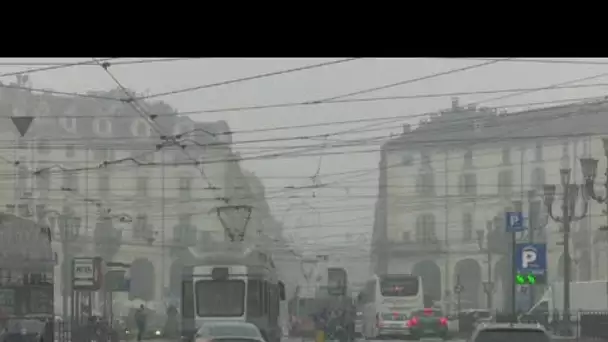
(569, 198)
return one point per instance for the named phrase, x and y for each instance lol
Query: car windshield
(232, 330)
(511, 335)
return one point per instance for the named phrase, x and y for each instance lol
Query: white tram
(232, 286)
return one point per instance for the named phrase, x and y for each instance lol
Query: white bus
(388, 294)
(233, 286)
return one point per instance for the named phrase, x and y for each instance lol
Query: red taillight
(412, 322)
(443, 321)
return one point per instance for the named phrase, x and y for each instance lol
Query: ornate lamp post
(569, 198)
(589, 168)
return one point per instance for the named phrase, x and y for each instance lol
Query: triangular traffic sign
(22, 123)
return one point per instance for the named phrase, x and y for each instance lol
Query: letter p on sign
(528, 257)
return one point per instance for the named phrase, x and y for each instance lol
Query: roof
(24, 245)
(465, 127)
(71, 117)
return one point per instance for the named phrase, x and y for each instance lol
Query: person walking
(140, 320)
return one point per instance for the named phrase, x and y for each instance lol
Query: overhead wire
(134, 104)
(247, 78)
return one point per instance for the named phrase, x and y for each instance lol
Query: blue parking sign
(531, 258)
(515, 222)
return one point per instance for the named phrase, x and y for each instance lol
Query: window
(425, 183)
(506, 155)
(141, 186)
(103, 183)
(425, 229)
(43, 146)
(23, 175)
(103, 126)
(399, 286)
(70, 181)
(425, 159)
(468, 184)
(185, 187)
(467, 227)
(538, 152)
(537, 179)
(140, 227)
(255, 298)
(70, 151)
(220, 298)
(505, 182)
(43, 181)
(468, 159)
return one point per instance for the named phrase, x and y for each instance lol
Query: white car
(509, 332)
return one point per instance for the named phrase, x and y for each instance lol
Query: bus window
(399, 286)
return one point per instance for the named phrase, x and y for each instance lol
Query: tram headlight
(157, 332)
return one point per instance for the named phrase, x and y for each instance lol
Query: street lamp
(589, 168)
(569, 198)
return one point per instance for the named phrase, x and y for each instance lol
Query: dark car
(428, 323)
(23, 330)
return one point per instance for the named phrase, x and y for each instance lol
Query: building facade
(135, 186)
(445, 186)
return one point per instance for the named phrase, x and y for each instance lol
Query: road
(423, 340)
(312, 340)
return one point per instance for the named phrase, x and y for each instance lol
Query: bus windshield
(220, 298)
(399, 286)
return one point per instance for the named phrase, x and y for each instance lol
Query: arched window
(102, 126)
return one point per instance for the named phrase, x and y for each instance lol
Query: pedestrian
(140, 320)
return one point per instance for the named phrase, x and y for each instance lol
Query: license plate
(429, 331)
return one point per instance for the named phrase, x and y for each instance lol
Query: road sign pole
(513, 273)
(514, 223)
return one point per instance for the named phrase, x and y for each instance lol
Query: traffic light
(529, 279)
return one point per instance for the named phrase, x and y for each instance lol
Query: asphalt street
(423, 340)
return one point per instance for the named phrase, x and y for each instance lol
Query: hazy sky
(356, 195)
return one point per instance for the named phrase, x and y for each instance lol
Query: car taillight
(412, 322)
(443, 321)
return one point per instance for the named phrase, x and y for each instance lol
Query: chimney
(455, 103)
(407, 128)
